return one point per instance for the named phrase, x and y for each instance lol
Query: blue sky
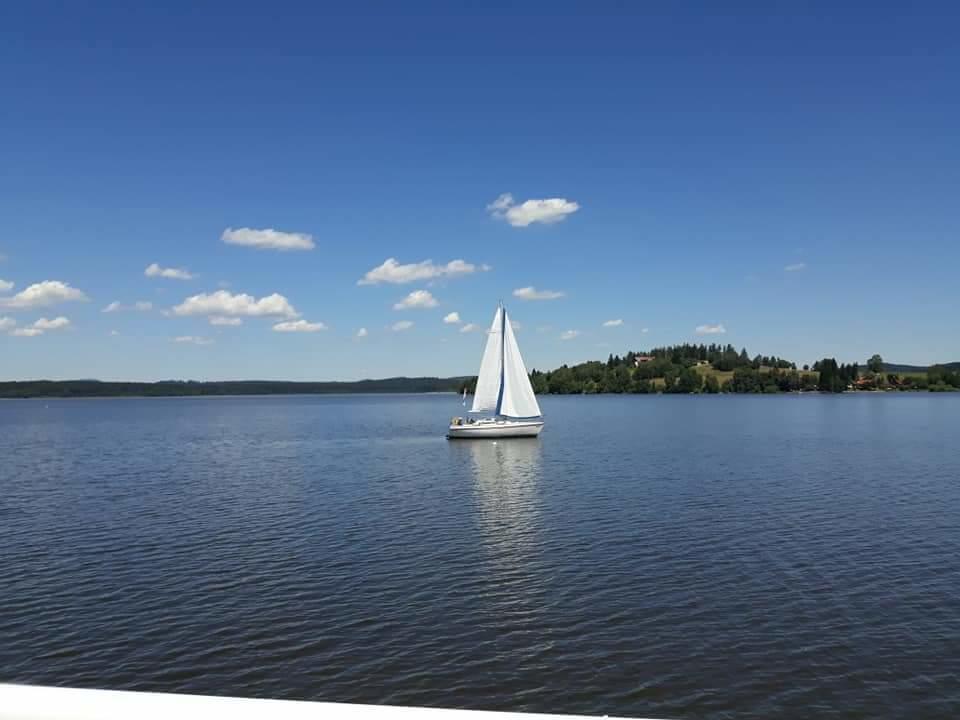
(786, 174)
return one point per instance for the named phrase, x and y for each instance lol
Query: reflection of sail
(506, 479)
(507, 485)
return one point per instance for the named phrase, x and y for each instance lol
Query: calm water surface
(680, 557)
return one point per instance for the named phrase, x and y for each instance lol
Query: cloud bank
(418, 299)
(223, 303)
(38, 328)
(531, 293)
(268, 239)
(391, 271)
(154, 270)
(43, 294)
(299, 326)
(546, 211)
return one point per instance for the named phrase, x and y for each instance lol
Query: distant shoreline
(223, 397)
(226, 396)
(61, 389)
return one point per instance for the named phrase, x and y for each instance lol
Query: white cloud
(220, 320)
(401, 326)
(362, 333)
(392, 271)
(452, 318)
(417, 299)
(796, 267)
(502, 203)
(268, 239)
(547, 211)
(613, 323)
(37, 328)
(114, 333)
(193, 340)
(140, 305)
(57, 323)
(531, 293)
(299, 326)
(155, 270)
(469, 327)
(43, 294)
(710, 329)
(6, 285)
(569, 334)
(644, 330)
(225, 304)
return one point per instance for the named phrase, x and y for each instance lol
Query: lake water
(666, 556)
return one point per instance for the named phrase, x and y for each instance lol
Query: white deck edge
(33, 702)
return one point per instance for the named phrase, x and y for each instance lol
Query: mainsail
(503, 386)
(487, 394)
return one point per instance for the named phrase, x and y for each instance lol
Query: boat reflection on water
(506, 475)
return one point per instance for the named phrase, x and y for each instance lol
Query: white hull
(496, 429)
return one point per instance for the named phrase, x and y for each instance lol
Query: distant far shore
(175, 388)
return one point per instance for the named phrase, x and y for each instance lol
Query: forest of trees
(716, 368)
(674, 369)
(833, 377)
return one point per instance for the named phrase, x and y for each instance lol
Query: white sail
(518, 400)
(488, 381)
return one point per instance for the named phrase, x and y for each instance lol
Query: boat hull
(496, 429)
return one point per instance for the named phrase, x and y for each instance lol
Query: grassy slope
(724, 375)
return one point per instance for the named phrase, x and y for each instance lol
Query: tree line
(189, 388)
(710, 369)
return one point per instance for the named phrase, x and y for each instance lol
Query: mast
(503, 377)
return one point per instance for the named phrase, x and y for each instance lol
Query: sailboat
(503, 390)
